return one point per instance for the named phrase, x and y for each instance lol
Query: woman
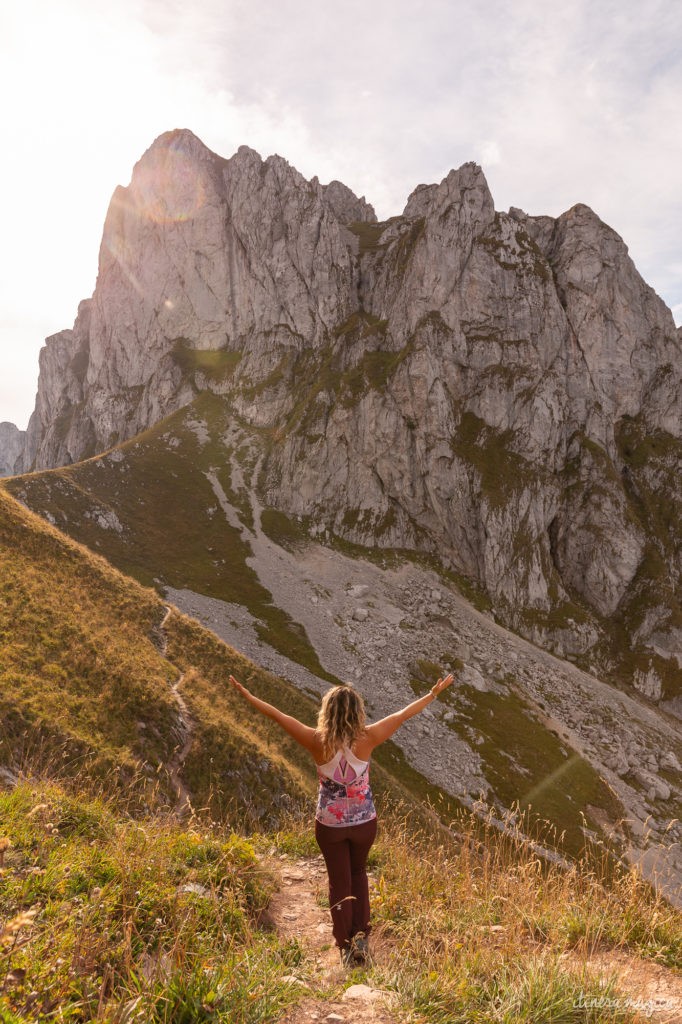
(345, 820)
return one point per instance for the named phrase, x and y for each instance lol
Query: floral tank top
(345, 796)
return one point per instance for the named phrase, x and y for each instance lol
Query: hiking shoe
(360, 948)
(347, 958)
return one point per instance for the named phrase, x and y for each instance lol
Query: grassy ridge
(83, 678)
(85, 686)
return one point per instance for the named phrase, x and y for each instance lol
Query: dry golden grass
(483, 929)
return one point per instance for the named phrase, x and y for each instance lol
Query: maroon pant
(345, 850)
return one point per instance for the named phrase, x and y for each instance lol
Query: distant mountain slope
(12, 442)
(497, 389)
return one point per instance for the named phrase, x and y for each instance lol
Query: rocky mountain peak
(467, 185)
(498, 389)
(346, 206)
(179, 140)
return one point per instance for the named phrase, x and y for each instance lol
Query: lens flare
(549, 780)
(168, 188)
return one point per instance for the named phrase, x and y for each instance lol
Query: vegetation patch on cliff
(513, 248)
(651, 478)
(369, 235)
(502, 471)
(215, 364)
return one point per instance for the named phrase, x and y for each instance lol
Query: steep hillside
(87, 676)
(499, 390)
(178, 506)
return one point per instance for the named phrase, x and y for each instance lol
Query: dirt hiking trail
(335, 995)
(185, 727)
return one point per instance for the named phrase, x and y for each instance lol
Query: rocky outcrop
(11, 446)
(345, 205)
(498, 389)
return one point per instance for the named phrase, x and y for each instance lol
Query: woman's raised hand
(239, 686)
(442, 684)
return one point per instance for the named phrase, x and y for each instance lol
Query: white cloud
(572, 103)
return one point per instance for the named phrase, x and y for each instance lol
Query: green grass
(78, 669)
(281, 529)
(105, 912)
(140, 913)
(483, 931)
(113, 917)
(215, 364)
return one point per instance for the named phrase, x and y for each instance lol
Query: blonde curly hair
(341, 719)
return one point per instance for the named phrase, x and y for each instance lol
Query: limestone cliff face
(498, 389)
(198, 254)
(12, 442)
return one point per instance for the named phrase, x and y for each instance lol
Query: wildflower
(23, 920)
(37, 810)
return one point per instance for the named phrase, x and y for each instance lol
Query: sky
(559, 104)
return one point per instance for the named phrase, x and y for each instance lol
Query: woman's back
(343, 765)
(345, 795)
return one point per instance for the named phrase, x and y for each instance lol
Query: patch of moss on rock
(215, 364)
(502, 470)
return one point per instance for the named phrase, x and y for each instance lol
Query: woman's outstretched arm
(385, 727)
(303, 734)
